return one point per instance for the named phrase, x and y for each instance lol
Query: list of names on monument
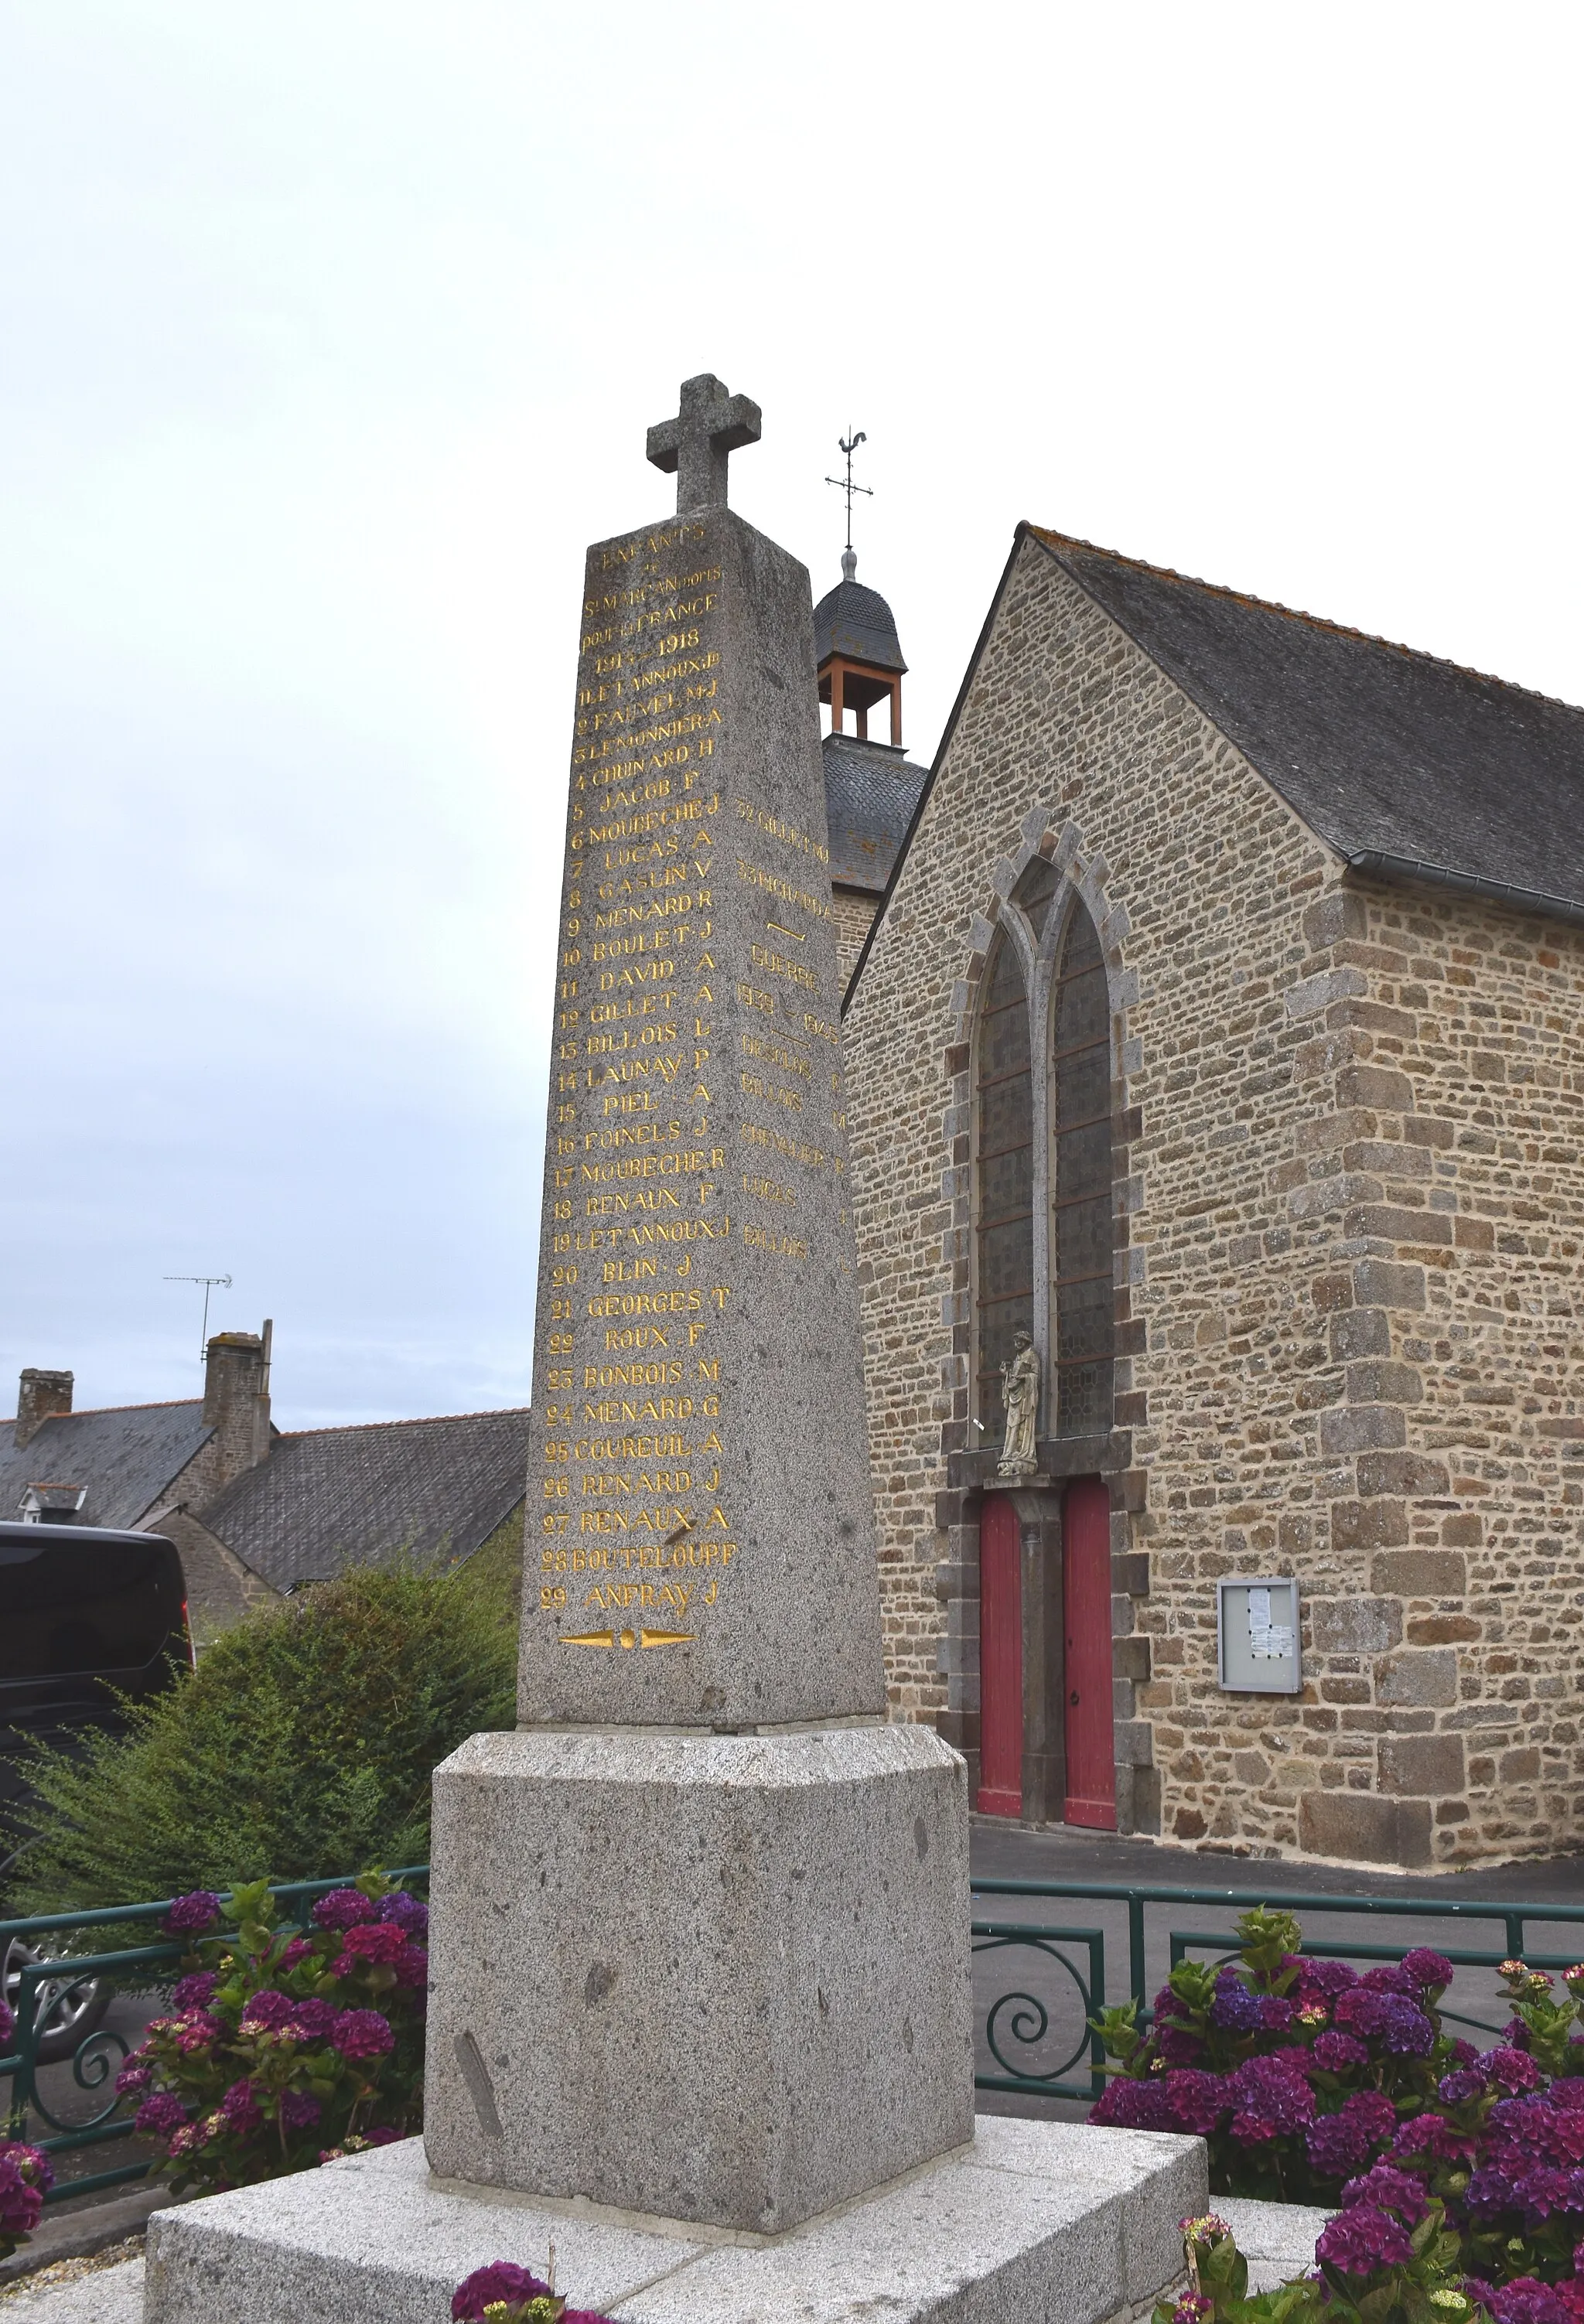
(696, 1147)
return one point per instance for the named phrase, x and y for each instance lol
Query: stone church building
(1214, 1022)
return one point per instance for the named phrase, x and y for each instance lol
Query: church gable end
(1345, 1190)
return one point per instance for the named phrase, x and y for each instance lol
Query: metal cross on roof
(849, 444)
(709, 426)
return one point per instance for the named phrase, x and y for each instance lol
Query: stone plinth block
(1032, 2223)
(716, 1977)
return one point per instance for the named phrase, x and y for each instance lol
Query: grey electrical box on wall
(1257, 1626)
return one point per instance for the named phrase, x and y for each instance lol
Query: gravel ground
(107, 2289)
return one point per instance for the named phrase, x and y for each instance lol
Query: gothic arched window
(1043, 1162)
(1082, 1306)
(1004, 1273)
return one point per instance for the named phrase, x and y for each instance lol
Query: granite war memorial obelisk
(698, 1922)
(699, 1996)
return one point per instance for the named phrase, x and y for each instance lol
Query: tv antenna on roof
(848, 445)
(210, 1282)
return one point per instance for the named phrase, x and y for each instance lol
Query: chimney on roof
(237, 1402)
(39, 1398)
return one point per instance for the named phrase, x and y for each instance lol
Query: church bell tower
(859, 654)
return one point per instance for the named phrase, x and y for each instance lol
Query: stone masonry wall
(1349, 1209)
(855, 914)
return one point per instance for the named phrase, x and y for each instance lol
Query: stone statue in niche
(1020, 1384)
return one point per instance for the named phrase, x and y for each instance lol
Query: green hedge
(304, 1741)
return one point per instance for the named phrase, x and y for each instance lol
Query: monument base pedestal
(1044, 2223)
(720, 1977)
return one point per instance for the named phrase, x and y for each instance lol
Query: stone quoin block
(1419, 1680)
(1356, 1626)
(1426, 1764)
(1362, 1829)
(1420, 1573)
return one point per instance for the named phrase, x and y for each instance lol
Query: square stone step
(1035, 2223)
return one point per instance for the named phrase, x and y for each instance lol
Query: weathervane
(849, 444)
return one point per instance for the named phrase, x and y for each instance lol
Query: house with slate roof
(256, 1511)
(1220, 1033)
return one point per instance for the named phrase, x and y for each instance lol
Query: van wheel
(68, 2009)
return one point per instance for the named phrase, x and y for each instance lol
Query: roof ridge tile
(1057, 541)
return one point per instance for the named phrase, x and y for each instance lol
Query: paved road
(1042, 2025)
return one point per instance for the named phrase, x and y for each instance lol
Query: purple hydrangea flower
(1335, 2052)
(267, 2012)
(7, 2024)
(191, 1915)
(1329, 1977)
(1458, 2088)
(1235, 2010)
(1338, 2147)
(1358, 2241)
(344, 1909)
(1389, 2018)
(136, 2074)
(1389, 2190)
(502, 2282)
(409, 1913)
(1269, 2099)
(1125, 2104)
(1523, 2300)
(1196, 2102)
(1510, 2069)
(160, 2115)
(1425, 1969)
(1177, 2046)
(1431, 2134)
(312, 2020)
(195, 1992)
(1341, 2144)
(25, 2178)
(299, 1950)
(362, 2033)
(239, 2108)
(1275, 2014)
(198, 2029)
(1388, 1976)
(385, 2136)
(298, 2108)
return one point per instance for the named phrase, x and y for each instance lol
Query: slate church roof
(330, 1497)
(1410, 767)
(123, 1456)
(870, 793)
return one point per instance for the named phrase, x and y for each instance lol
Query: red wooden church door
(1000, 1660)
(1086, 1573)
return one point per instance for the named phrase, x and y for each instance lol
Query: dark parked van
(86, 1613)
(83, 1610)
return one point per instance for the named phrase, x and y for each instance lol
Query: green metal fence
(55, 1988)
(1024, 2019)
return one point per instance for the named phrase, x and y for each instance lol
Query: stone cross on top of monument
(709, 427)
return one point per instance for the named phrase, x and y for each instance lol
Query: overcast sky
(330, 333)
